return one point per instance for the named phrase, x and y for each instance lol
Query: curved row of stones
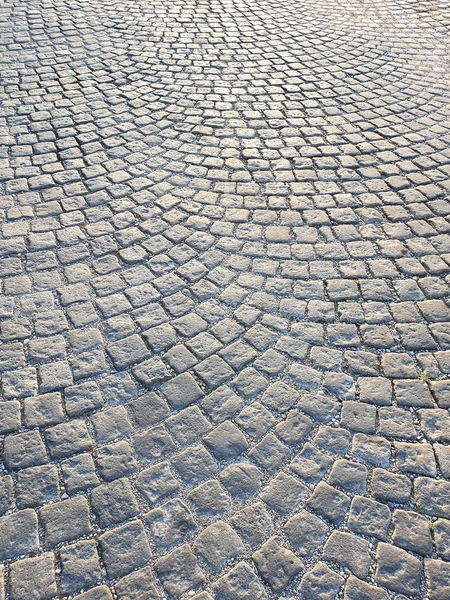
(225, 336)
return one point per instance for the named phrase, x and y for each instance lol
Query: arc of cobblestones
(224, 320)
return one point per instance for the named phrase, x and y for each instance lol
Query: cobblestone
(224, 300)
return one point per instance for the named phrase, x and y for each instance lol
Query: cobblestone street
(224, 310)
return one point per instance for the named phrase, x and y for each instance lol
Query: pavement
(224, 320)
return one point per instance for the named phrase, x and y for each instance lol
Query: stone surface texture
(224, 300)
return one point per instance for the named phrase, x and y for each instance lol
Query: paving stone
(283, 493)
(6, 494)
(170, 523)
(355, 589)
(226, 441)
(36, 486)
(98, 593)
(437, 578)
(218, 544)
(349, 475)
(67, 439)
(9, 417)
(132, 586)
(329, 502)
(349, 551)
(372, 450)
(397, 570)
(79, 473)
(241, 480)
(116, 460)
(181, 391)
(124, 549)
(179, 571)
(23, 450)
(43, 410)
(412, 532)
(253, 524)
(276, 565)
(18, 534)
(390, 487)
(80, 566)
(33, 578)
(65, 521)
(321, 583)
(114, 502)
(311, 464)
(369, 518)
(431, 496)
(156, 482)
(209, 499)
(240, 583)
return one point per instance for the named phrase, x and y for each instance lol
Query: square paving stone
(181, 391)
(437, 578)
(412, 532)
(194, 465)
(369, 518)
(209, 499)
(18, 534)
(65, 521)
(124, 549)
(276, 565)
(33, 578)
(153, 444)
(253, 524)
(329, 502)
(397, 570)
(114, 502)
(179, 571)
(170, 523)
(240, 583)
(351, 476)
(111, 424)
(80, 567)
(139, 584)
(349, 551)
(148, 410)
(218, 544)
(116, 460)
(432, 497)
(283, 493)
(23, 450)
(214, 371)
(99, 593)
(355, 589)
(36, 486)
(241, 480)
(270, 453)
(305, 532)
(79, 473)
(43, 410)
(321, 582)
(311, 464)
(226, 441)
(9, 416)
(68, 438)
(156, 482)
(390, 487)
(188, 426)
(82, 398)
(6, 494)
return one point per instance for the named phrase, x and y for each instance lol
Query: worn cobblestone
(224, 300)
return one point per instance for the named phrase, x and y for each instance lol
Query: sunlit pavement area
(224, 321)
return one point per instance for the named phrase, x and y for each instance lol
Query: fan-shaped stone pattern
(224, 319)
